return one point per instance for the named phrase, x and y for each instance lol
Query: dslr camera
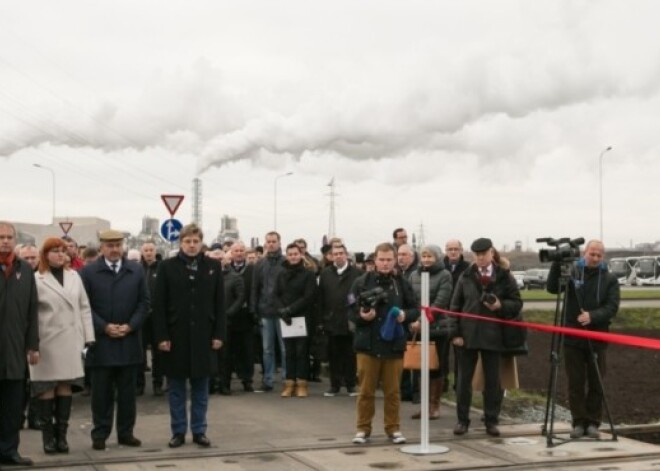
(564, 250)
(370, 298)
(488, 298)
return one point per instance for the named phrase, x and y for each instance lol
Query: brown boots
(435, 390)
(301, 388)
(296, 388)
(289, 387)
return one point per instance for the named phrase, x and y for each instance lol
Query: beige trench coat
(65, 325)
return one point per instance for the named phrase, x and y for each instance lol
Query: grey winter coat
(440, 289)
(262, 302)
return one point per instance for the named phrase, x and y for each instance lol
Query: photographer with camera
(487, 289)
(382, 305)
(592, 300)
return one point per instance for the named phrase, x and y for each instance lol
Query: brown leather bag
(412, 357)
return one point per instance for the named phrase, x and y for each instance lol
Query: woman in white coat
(65, 329)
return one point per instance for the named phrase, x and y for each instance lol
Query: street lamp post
(275, 197)
(600, 173)
(52, 173)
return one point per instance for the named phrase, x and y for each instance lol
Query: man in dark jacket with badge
(150, 264)
(242, 325)
(335, 284)
(591, 303)
(119, 299)
(486, 289)
(189, 322)
(379, 301)
(19, 339)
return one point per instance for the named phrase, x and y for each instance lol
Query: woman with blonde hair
(65, 330)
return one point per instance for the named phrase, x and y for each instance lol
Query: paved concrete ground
(257, 431)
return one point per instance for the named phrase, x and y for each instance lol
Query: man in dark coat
(490, 290)
(234, 301)
(242, 324)
(380, 359)
(454, 261)
(119, 299)
(456, 264)
(189, 321)
(262, 304)
(334, 286)
(150, 262)
(591, 303)
(19, 339)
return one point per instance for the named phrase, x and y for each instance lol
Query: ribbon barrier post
(424, 448)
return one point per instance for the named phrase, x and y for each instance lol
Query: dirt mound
(631, 379)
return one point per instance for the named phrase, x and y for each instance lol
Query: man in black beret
(488, 289)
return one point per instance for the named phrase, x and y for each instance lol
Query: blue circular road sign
(170, 230)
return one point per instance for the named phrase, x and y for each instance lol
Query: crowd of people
(209, 313)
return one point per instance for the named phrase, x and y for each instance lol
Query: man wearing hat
(487, 289)
(118, 296)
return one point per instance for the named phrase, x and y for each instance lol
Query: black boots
(47, 430)
(54, 434)
(62, 414)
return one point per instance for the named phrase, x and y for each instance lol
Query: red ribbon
(620, 339)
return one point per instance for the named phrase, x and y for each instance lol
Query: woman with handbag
(440, 288)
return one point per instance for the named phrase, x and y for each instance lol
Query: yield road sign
(66, 226)
(172, 202)
(170, 229)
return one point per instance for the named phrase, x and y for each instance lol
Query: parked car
(519, 276)
(536, 278)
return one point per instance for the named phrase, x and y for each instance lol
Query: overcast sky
(473, 118)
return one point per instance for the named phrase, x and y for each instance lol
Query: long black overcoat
(19, 329)
(188, 310)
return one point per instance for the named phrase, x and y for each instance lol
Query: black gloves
(285, 314)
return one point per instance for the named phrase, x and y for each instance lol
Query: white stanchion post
(424, 448)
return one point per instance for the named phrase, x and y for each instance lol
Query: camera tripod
(555, 360)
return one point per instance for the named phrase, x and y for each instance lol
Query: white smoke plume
(506, 98)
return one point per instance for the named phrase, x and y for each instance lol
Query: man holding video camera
(592, 300)
(382, 305)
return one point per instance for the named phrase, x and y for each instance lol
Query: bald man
(592, 301)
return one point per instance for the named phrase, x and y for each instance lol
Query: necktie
(114, 267)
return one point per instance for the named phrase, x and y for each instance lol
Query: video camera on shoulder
(565, 249)
(370, 298)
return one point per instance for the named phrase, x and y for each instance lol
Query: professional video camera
(565, 249)
(370, 298)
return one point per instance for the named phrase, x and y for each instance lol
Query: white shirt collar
(117, 264)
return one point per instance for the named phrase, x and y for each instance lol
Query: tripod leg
(594, 359)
